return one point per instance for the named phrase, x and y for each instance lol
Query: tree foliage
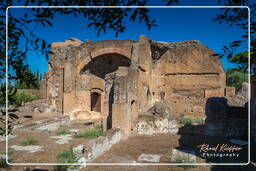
(239, 17)
(235, 78)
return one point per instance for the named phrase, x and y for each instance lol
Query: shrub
(91, 134)
(20, 98)
(29, 141)
(62, 132)
(184, 159)
(186, 121)
(66, 156)
(236, 78)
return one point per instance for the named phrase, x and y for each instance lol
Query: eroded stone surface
(79, 149)
(63, 139)
(154, 158)
(3, 138)
(29, 148)
(188, 154)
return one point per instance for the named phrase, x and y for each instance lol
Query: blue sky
(173, 25)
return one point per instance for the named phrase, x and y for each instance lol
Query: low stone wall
(96, 147)
(154, 125)
(225, 120)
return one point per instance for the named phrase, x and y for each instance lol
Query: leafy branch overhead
(22, 28)
(237, 51)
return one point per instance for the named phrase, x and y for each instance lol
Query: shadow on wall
(222, 126)
(110, 102)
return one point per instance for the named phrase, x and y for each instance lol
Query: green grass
(29, 141)
(186, 121)
(2, 130)
(3, 163)
(199, 121)
(94, 133)
(62, 132)
(190, 121)
(66, 156)
(98, 126)
(184, 159)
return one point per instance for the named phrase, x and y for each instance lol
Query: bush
(91, 134)
(184, 159)
(186, 121)
(66, 156)
(236, 78)
(20, 98)
(29, 141)
(62, 132)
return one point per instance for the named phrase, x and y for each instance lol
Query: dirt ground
(125, 151)
(128, 151)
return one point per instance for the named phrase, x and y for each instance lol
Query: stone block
(78, 149)
(214, 93)
(154, 158)
(230, 91)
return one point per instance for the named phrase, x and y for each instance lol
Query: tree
(235, 78)
(239, 17)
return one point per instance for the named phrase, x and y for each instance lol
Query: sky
(173, 25)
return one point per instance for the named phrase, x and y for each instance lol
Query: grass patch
(66, 156)
(3, 163)
(98, 126)
(186, 121)
(198, 121)
(184, 159)
(190, 121)
(62, 132)
(29, 141)
(2, 130)
(94, 133)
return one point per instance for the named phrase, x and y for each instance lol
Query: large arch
(103, 51)
(105, 63)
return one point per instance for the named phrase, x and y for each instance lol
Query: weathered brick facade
(125, 78)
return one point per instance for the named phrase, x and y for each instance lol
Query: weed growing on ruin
(186, 121)
(198, 121)
(184, 159)
(91, 134)
(2, 130)
(62, 131)
(98, 126)
(29, 141)
(3, 163)
(66, 156)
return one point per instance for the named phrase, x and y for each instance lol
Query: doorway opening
(95, 102)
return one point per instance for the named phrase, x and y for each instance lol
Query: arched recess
(134, 115)
(96, 97)
(105, 63)
(95, 102)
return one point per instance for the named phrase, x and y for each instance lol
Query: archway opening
(104, 64)
(95, 102)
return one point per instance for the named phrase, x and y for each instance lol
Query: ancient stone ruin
(117, 81)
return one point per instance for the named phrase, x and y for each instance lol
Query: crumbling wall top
(70, 42)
